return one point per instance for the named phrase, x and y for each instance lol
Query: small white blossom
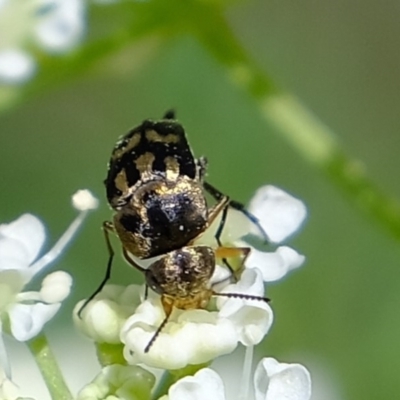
(103, 317)
(83, 200)
(272, 381)
(55, 25)
(16, 66)
(280, 381)
(278, 212)
(198, 336)
(204, 385)
(252, 318)
(276, 264)
(190, 336)
(60, 24)
(24, 313)
(280, 215)
(56, 287)
(119, 382)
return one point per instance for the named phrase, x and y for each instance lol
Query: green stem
(298, 126)
(49, 368)
(167, 379)
(109, 354)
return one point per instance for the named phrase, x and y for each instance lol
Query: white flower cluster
(272, 381)
(24, 313)
(53, 25)
(120, 315)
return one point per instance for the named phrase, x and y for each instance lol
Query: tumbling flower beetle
(157, 189)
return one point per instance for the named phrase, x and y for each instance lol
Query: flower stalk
(109, 354)
(49, 368)
(166, 381)
(246, 374)
(315, 142)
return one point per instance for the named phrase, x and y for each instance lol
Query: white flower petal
(27, 320)
(206, 384)
(189, 337)
(274, 265)
(16, 66)
(279, 213)
(62, 25)
(103, 323)
(252, 318)
(21, 242)
(56, 287)
(280, 381)
(13, 255)
(103, 318)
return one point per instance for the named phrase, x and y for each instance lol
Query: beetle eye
(130, 222)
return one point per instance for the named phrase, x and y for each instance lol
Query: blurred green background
(340, 312)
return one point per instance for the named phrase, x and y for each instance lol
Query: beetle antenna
(157, 332)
